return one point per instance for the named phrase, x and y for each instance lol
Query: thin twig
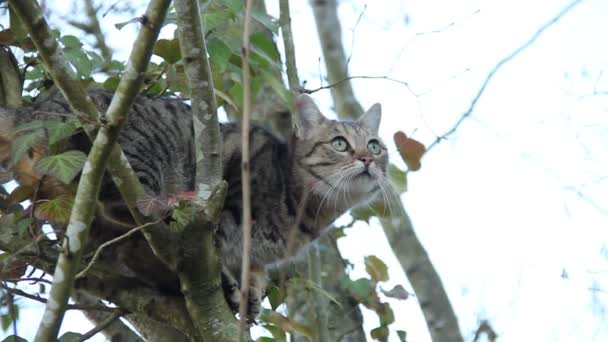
(34, 280)
(497, 67)
(69, 307)
(111, 242)
(245, 177)
(385, 77)
(114, 316)
(352, 42)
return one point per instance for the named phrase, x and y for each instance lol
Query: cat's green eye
(339, 144)
(374, 146)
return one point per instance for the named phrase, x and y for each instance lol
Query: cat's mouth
(365, 173)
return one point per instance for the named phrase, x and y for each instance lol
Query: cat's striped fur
(333, 165)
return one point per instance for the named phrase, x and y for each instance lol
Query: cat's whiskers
(339, 174)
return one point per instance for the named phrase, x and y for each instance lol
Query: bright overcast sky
(512, 208)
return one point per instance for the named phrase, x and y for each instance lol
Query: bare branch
(245, 176)
(37, 298)
(498, 66)
(347, 79)
(111, 242)
(109, 320)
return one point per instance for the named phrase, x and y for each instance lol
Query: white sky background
(513, 208)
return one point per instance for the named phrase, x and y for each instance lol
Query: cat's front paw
(232, 292)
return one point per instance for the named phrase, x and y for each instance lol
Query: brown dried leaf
(411, 150)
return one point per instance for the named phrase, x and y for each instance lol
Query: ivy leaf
(219, 54)
(380, 333)
(24, 142)
(397, 292)
(70, 41)
(64, 166)
(168, 50)
(385, 313)
(80, 61)
(111, 83)
(376, 268)
(265, 339)
(411, 150)
(277, 334)
(56, 210)
(59, 130)
(70, 337)
(360, 289)
(402, 334)
(234, 5)
(19, 194)
(182, 215)
(268, 21)
(275, 297)
(398, 178)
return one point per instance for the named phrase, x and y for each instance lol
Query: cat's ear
(308, 115)
(371, 118)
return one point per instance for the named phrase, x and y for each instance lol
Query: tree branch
(497, 67)
(330, 34)
(440, 317)
(116, 331)
(198, 264)
(245, 176)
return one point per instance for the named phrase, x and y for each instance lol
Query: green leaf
(24, 142)
(168, 50)
(182, 215)
(398, 178)
(95, 58)
(69, 41)
(14, 338)
(265, 339)
(111, 83)
(385, 313)
(30, 126)
(80, 61)
(278, 334)
(6, 321)
(265, 19)
(264, 47)
(59, 130)
(69, 337)
(380, 333)
(116, 65)
(215, 19)
(376, 268)
(56, 210)
(402, 334)
(234, 5)
(275, 297)
(219, 54)
(64, 166)
(360, 289)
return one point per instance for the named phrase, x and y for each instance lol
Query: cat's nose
(366, 160)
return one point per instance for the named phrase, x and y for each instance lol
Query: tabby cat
(326, 168)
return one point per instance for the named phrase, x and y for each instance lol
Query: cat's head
(343, 162)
